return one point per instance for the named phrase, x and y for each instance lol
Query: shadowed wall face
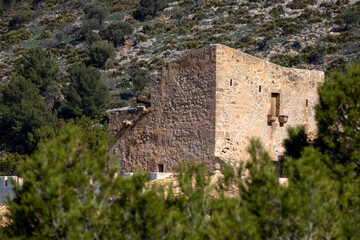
(180, 125)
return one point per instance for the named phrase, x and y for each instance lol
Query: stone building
(206, 106)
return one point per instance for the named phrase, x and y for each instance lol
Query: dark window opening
(160, 167)
(230, 82)
(307, 102)
(6, 182)
(275, 104)
(259, 88)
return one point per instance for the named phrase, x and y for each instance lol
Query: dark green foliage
(65, 192)
(116, 32)
(140, 80)
(296, 142)
(338, 65)
(22, 112)
(315, 195)
(317, 55)
(277, 11)
(99, 52)
(92, 37)
(350, 17)
(300, 4)
(37, 67)
(338, 118)
(286, 60)
(66, 184)
(148, 9)
(85, 94)
(8, 165)
(17, 21)
(342, 38)
(97, 12)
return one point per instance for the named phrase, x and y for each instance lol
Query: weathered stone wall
(242, 109)
(181, 123)
(208, 105)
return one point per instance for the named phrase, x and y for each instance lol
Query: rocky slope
(310, 34)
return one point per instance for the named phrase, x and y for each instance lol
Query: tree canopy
(22, 111)
(97, 12)
(37, 67)
(85, 94)
(100, 52)
(338, 118)
(148, 9)
(116, 32)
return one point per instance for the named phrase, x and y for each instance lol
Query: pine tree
(314, 195)
(37, 67)
(85, 94)
(66, 192)
(338, 120)
(22, 112)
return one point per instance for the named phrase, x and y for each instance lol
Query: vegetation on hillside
(63, 63)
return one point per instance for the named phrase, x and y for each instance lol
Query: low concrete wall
(6, 187)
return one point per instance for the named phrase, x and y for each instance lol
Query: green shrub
(187, 3)
(244, 42)
(45, 34)
(191, 45)
(97, 12)
(116, 74)
(332, 49)
(338, 65)
(91, 37)
(116, 32)
(60, 21)
(315, 20)
(44, 21)
(124, 84)
(300, 4)
(269, 3)
(140, 79)
(148, 9)
(17, 21)
(317, 55)
(140, 38)
(99, 52)
(350, 17)
(342, 38)
(277, 11)
(156, 63)
(286, 60)
(14, 36)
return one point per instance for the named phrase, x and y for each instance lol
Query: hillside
(307, 34)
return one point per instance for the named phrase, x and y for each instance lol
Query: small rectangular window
(259, 88)
(6, 182)
(160, 167)
(307, 102)
(275, 104)
(231, 82)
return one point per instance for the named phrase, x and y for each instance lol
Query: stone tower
(206, 106)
